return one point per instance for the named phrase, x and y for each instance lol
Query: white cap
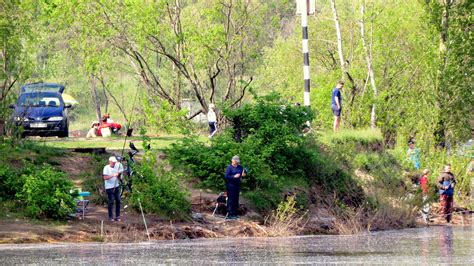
(112, 159)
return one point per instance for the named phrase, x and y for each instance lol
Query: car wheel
(64, 133)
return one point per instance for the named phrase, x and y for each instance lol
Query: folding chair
(221, 204)
(82, 203)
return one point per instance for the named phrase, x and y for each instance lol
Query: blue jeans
(113, 194)
(233, 192)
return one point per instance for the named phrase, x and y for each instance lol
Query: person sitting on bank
(106, 122)
(111, 175)
(94, 130)
(233, 175)
(446, 184)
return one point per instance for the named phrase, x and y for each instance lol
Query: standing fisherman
(233, 174)
(446, 184)
(336, 105)
(111, 175)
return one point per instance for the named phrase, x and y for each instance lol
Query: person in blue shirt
(446, 183)
(413, 155)
(336, 105)
(233, 175)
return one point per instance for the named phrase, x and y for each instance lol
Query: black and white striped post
(305, 8)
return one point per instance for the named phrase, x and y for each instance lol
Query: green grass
(365, 136)
(112, 143)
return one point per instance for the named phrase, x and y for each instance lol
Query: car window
(38, 100)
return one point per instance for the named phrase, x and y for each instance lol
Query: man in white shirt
(111, 175)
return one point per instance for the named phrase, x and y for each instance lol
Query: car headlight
(55, 118)
(19, 118)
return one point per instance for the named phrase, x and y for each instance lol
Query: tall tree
(368, 58)
(453, 86)
(16, 36)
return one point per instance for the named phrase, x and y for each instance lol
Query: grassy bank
(111, 143)
(353, 184)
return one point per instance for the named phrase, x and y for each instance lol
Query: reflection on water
(433, 245)
(446, 240)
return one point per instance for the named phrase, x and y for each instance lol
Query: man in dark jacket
(233, 174)
(446, 184)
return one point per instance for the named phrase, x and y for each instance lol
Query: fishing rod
(129, 122)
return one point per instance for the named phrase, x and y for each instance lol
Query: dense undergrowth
(361, 184)
(32, 185)
(390, 201)
(280, 160)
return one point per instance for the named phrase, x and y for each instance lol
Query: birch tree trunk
(342, 61)
(339, 39)
(368, 58)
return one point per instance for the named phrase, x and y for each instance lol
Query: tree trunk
(339, 39)
(121, 107)
(95, 97)
(368, 58)
(343, 62)
(440, 132)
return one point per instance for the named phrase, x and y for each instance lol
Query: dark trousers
(446, 202)
(212, 127)
(233, 192)
(113, 194)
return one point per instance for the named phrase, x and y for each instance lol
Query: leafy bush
(267, 135)
(286, 220)
(159, 193)
(93, 181)
(10, 182)
(46, 193)
(434, 159)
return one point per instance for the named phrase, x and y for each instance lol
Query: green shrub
(159, 192)
(46, 193)
(93, 181)
(267, 135)
(10, 182)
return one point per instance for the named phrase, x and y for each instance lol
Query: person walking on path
(446, 183)
(111, 175)
(212, 120)
(413, 155)
(233, 175)
(425, 210)
(336, 105)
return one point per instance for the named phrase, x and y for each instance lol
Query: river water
(430, 245)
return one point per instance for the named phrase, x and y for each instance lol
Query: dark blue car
(40, 110)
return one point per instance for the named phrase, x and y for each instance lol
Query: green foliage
(434, 159)
(162, 116)
(46, 193)
(11, 182)
(17, 39)
(454, 69)
(159, 192)
(364, 137)
(267, 135)
(268, 138)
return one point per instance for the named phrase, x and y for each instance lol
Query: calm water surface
(433, 245)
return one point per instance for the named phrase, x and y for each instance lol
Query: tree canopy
(407, 64)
